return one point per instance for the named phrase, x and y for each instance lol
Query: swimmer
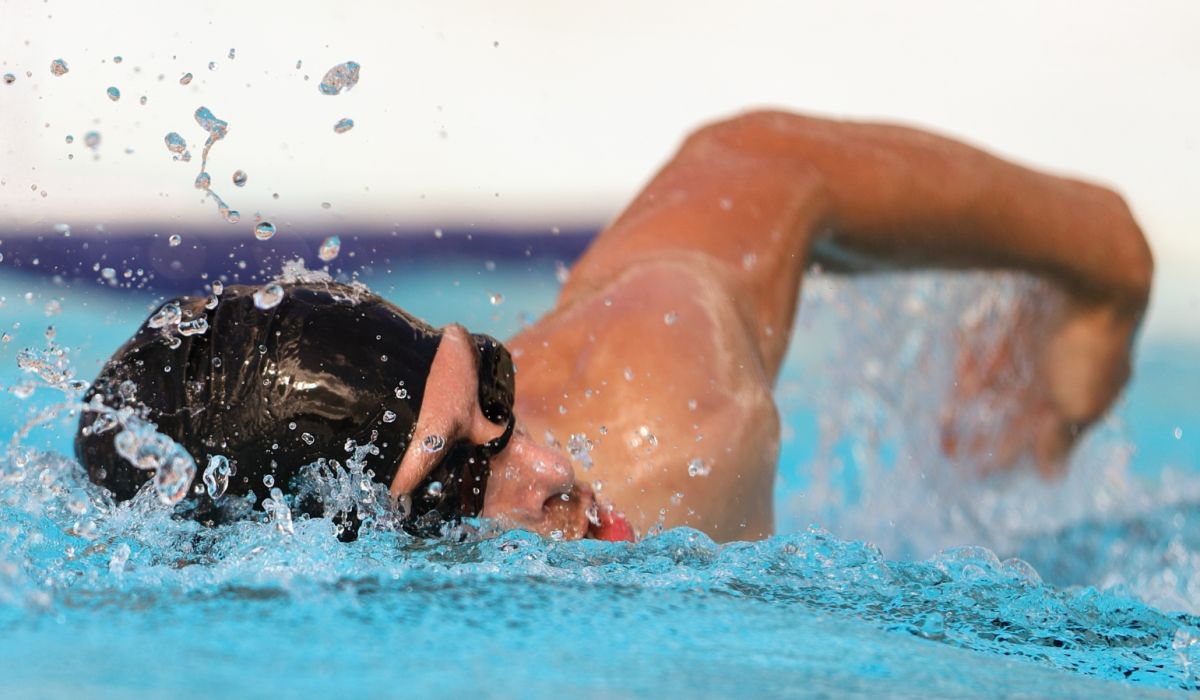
(644, 398)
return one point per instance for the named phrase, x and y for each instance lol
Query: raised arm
(762, 194)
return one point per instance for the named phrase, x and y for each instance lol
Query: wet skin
(664, 345)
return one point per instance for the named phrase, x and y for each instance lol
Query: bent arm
(764, 192)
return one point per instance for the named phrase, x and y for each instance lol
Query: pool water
(894, 573)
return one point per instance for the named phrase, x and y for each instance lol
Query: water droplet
(9, 78)
(497, 299)
(185, 79)
(340, 78)
(196, 326)
(307, 438)
(218, 287)
(203, 181)
(434, 489)
(401, 393)
(1178, 433)
(264, 230)
(268, 297)
(175, 142)
(239, 178)
(269, 479)
(166, 317)
(343, 125)
(142, 100)
(433, 443)
(117, 59)
(628, 374)
(749, 260)
(70, 138)
(580, 449)
(175, 240)
(216, 476)
(58, 67)
(697, 467)
(232, 54)
(389, 417)
(113, 94)
(670, 318)
(92, 140)
(230, 215)
(329, 249)
(120, 556)
(212, 65)
(216, 128)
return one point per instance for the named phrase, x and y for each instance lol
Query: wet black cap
(275, 389)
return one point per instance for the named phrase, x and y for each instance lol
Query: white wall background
(564, 119)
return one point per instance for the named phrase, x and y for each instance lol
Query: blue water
(99, 601)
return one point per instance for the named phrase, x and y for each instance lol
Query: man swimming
(663, 347)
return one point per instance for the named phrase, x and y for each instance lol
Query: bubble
(496, 299)
(434, 490)
(340, 78)
(389, 417)
(216, 476)
(269, 479)
(9, 78)
(175, 240)
(113, 94)
(264, 231)
(433, 443)
(239, 178)
(203, 181)
(175, 142)
(401, 392)
(343, 125)
(697, 467)
(185, 79)
(307, 438)
(329, 249)
(92, 140)
(59, 67)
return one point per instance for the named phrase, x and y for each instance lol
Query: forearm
(910, 198)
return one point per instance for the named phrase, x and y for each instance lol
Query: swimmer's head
(276, 389)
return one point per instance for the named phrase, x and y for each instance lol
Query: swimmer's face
(531, 486)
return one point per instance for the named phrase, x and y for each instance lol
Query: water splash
(339, 79)
(58, 67)
(343, 125)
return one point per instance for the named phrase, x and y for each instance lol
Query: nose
(524, 477)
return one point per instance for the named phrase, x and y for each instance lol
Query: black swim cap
(275, 389)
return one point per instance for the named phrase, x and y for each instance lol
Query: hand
(1028, 387)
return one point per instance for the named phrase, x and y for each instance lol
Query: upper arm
(749, 214)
